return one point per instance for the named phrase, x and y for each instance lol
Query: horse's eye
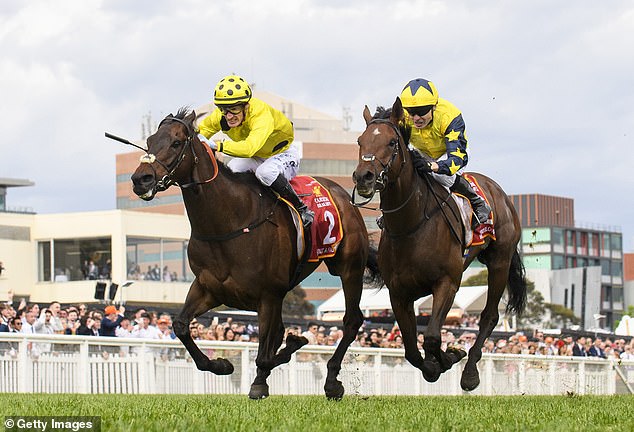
(393, 142)
(177, 144)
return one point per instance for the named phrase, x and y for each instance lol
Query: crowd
(141, 323)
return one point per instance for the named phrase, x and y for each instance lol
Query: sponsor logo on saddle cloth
(482, 231)
(326, 231)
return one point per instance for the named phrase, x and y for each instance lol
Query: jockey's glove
(204, 140)
(421, 165)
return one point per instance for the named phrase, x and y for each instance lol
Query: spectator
(6, 314)
(311, 333)
(125, 329)
(111, 320)
(596, 350)
(87, 327)
(144, 330)
(72, 321)
(165, 332)
(28, 321)
(579, 349)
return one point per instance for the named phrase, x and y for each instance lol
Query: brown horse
(243, 249)
(421, 247)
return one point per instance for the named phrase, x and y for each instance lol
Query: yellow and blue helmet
(419, 92)
(232, 90)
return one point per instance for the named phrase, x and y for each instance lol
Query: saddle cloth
(482, 231)
(326, 231)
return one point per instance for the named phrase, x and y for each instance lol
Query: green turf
(354, 413)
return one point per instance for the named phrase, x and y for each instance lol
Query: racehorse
(422, 244)
(243, 249)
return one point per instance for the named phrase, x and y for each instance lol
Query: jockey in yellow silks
(438, 131)
(261, 139)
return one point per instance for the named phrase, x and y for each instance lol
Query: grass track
(149, 413)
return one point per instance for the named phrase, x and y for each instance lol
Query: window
(157, 259)
(558, 262)
(75, 259)
(616, 242)
(44, 261)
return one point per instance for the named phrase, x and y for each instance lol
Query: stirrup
(307, 215)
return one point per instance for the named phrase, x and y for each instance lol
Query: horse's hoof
(220, 366)
(259, 391)
(456, 354)
(469, 381)
(295, 342)
(334, 390)
(431, 371)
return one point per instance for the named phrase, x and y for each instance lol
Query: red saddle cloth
(326, 231)
(484, 230)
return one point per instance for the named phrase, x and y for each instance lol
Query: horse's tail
(373, 275)
(516, 285)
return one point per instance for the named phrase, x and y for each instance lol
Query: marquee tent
(468, 300)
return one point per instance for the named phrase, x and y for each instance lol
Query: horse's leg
(198, 301)
(352, 320)
(271, 336)
(498, 274)
(404, 313)
(443, 298)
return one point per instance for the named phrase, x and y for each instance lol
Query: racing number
(330, 218)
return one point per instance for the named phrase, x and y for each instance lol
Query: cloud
(544, 88)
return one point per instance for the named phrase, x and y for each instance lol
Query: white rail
(75, 364)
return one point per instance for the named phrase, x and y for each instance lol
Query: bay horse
(421, 247)
(243, 249)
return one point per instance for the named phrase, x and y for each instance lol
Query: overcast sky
(546, 88)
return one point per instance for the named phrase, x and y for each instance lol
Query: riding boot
(480, 207)
(284, 189)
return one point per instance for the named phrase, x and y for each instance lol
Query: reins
(382, 180)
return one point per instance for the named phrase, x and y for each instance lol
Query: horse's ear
(397, 111)
(366, 115)
(190, 117)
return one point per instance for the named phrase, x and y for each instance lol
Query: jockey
(261, 139)
(438, 131)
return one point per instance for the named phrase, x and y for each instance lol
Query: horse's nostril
(369, 176)
(148, 178)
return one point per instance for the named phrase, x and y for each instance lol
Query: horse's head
(169, 158)
(381, 150)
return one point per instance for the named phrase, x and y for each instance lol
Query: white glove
(204, 140)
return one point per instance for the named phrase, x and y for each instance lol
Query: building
(580, 268)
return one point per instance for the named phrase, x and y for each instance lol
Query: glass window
(605, 267)
(558, 262)
(606, 242)
(617, 269)
(616, 242)
(44, 261)
(157, 259)
(80, 259)
(558, 236)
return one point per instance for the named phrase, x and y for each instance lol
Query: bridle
(168, 180)
(381, 177)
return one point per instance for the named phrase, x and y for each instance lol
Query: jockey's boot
(480, 207)
(284, 189)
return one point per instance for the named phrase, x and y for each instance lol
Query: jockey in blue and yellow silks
(438, 131)
(261, 139)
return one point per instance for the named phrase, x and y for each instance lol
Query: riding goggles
(235, 110)
(419, 111)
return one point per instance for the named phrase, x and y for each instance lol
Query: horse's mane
(385, 113)
(241, 177)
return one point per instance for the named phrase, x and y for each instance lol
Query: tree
(295, 304)
(561, 316)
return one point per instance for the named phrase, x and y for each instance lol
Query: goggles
(418, 111)
(235, 110)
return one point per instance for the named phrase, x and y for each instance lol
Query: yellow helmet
(232, 90)
(419, 92)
